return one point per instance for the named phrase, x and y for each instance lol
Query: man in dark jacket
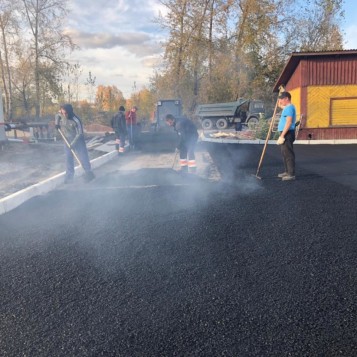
(72, 128)
(188, 136)
(118, 124)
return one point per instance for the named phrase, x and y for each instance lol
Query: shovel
(173, 164)
(69, 147)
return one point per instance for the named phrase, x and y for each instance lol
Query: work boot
(89, 176)
(288, 178)
(283, 174)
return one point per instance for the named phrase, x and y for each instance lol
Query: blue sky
(350, 25)
(120, 44)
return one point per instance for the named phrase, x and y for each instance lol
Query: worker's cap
(284, 95)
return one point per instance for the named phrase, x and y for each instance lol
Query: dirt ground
(24, 164)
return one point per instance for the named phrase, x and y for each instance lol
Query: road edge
(14, 200)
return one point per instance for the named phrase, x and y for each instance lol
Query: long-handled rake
(69, 147)
(174, 162)
(281, 89)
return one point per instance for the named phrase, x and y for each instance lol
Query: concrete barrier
(271, 142)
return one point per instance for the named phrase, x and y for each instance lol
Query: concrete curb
(297, 142)
(14, 200)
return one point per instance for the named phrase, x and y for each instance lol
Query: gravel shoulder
(24, 164)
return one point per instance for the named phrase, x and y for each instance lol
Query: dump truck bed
(218, 109)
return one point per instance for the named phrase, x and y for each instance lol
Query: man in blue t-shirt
(286, 139)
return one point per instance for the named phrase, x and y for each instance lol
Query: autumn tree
(318, 28)
(90, 83)
(186, 47)
(145, 101)
(9, 28)
(48, 43)
(84, 110)
(109, 98)
(220, 50)
(23, 81)
(73, 75)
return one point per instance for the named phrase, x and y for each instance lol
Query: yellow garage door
(343, 111)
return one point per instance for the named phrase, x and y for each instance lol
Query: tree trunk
(6, 106)
(6, 77)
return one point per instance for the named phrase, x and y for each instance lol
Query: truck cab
(249, 113)
(164, 107)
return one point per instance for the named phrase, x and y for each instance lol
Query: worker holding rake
(188, 136)
(71, 129)
(286, 127)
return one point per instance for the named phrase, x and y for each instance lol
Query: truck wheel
(253, 123)
(207, 124)
(222, 123)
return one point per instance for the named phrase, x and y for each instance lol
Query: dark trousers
(187, 149)
(132, 134)
(121, 137)
(82, 153)
(287, 151)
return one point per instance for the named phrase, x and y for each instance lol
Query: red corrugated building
(323, 86)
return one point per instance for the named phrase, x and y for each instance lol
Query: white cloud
(115, 67)
(119, 42)
(114, 16)
(136, 42)
(152, 62)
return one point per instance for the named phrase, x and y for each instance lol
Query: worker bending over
(188, 136)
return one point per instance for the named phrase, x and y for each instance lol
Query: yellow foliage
(109, 98)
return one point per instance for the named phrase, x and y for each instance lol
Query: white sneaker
(283, 174)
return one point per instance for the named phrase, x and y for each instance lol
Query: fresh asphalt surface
(150, 263)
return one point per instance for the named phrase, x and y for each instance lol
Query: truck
(164, 107)
(225, 115)
(162, 137)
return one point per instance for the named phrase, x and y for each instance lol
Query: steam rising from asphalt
(145, 192)
(142, 192)
(238, 164)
